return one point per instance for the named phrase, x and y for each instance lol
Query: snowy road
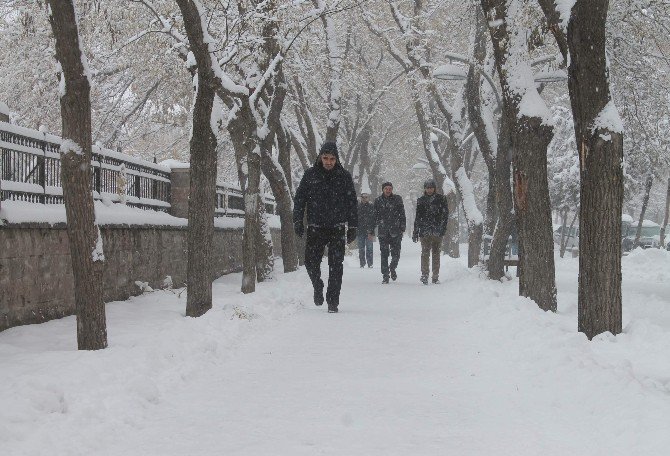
(461, 368)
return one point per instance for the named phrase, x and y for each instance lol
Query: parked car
(650, 236)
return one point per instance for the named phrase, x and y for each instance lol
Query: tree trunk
(643, 211)
(530, 138)
(667, 214)
(450, 242)
(533, 213)
(504, 204)
(202, 197)
(86, 250)
(600, 146)
(264, 255)
(251, 222)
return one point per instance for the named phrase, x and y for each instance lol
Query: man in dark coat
(366, 223)
(390, 224)
(430, 224)
(327, 193)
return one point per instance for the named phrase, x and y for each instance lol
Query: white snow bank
(174, 164)
(108, 214)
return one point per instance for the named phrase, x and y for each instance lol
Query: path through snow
(462, 368)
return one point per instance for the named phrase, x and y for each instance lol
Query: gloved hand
(415, 237)
(299, 228)
(351, 234)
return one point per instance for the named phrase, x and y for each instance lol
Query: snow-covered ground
(461, 368)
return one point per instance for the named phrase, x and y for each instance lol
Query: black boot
(393, 275)
(385, 279)
(332, 305)
(318, 296)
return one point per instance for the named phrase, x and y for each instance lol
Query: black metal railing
(230, 201)
(30, 171)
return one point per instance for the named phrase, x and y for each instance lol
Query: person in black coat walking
(366, 223)
(390, 223)
(326, 192)
(430, 224)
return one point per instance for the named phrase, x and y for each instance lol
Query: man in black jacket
(327, 193)
(430, 224)
(390, 223)
(366, 222)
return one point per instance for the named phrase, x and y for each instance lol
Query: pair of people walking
(430, 224)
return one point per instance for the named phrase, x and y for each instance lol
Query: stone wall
(36, 273)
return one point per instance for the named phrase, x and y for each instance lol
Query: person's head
(429, 187)
(387, 189)
(365, 197)
(328, 155)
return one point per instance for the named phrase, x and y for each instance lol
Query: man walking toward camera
(430, 224)
(390, 223)
(326, 192)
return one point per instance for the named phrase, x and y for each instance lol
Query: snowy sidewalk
(462, 368)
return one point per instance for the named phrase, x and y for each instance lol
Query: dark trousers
(364, 249)
(390, 244)
(316, 242)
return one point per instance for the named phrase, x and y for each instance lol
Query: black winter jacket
(366, 217)
(328, 196)
(389, 216)
(432, 214)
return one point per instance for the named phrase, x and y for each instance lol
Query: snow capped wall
(36, 282)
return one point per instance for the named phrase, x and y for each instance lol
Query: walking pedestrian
(326, 193)
(390, 223)
(430, 224)
(366, 222)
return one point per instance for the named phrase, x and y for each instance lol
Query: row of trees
(478, 88)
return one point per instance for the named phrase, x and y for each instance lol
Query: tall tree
(86, 249)
(530, 133)
(201, 205)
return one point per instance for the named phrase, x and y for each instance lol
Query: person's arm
(373, 218)
(445, 216)
(299, 202)
(417, 218)
(352, 217)
(401, 215)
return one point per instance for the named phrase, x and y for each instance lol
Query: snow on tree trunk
(203, 167)
(531, 133)
(599, 136)
(83, 233)
(251, 222)
(264, 256)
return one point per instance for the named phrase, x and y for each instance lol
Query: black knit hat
(386, 184)
(430, 183)
(329, 147)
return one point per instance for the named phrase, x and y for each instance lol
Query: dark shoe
(436, 280)
(332, 310)
(385, 279)
(362, 266)
(370, 266)
(318, 297)
(424, 280)
(393, 275)
(332, 305)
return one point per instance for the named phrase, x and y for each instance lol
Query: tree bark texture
(83, 233)
(529, 139)
(202, 199)
(533, 213)
(600, 158)
(504, 201)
